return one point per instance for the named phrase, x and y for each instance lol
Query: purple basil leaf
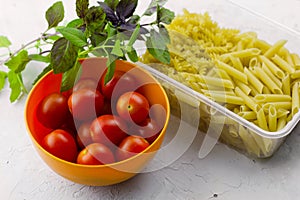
(126, 8)
(110, 14)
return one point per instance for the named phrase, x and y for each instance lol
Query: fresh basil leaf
(40, 58)
(152, 8)
(3, 76)
(117, 51)
(112, 3)
(52, 37)
(111, 31)
(63, 55)
(75, 36)
(18, 62)
(45, 71)
(95, 20)
(126, 8)
(110, 13)
(97, 39)
(157, 47)
(4, 41)
(70, 77)
(82, 7)
(132, 54)
(165, 15)
(134, 19)
(111, 66)
(15, 85)
(134, 35)
(76, 23)
(55, 14)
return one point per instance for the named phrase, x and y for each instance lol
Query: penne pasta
(286, 85)
(236, 74)
(272, 98)
(267, 81)
(296, 60)
(271, 75)
(248, 141)
(281, 122)
(272, 119)
(255, 82)
(249, 115)
(283, 64)
(275, 48)
(296, 74)
(283, 105)
(272, 67)
(243, 53)
(247, 100)
(295, 98)
(236, 63)
(227, 99)
(261, 119)
(245, 88)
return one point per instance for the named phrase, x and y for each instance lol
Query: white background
(224, 172)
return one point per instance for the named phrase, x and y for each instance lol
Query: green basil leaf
(165, 15)
(63, 55)
(15, 85)
(95, 20)
(52, 37)
(75, 36)
(55, 14)
(18, 62)
(3, 76)
(111, 66)
(70, 77)
(134, 35)
(76, 23)
(45, 71)
(82, 7)
(117, 51)
(112, 3)
(157, 47)
(132, 54)
(126, 8)
(4, 41)
(152, 8)
(40, 58)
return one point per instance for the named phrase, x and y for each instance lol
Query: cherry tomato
(61, 144)
(133, 106)
(109, 130)
(131, 146)
(85, 84)
(86, 104)
(95, 154)
(124, 81)
(84, 137)
(148, 129)
(53, 110)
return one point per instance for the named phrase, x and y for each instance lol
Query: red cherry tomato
(61, 144)
(133, 106)
(84, 137)
(124, 81)
(109, 130)
(85, 84)
(86, 104)
(53, 110)
(131, 146)
(95, 154)
(148, 129)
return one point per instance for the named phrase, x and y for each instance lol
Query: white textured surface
(224, 173)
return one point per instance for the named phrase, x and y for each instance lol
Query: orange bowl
(97, 175)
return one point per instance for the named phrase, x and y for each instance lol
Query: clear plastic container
(213, 119)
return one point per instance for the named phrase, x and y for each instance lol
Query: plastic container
(213, 119)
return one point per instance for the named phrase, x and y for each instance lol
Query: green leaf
(165, 15)
(18, 62)
(63, 55)
(152, 8)
(55, 14)
(157, 47)
(117, 49)
(40, 58)
(15, 85)
(95, 20)
(3, 76)
(82, 7)
(134, 35)
(76, 23)
(45, 71)
(53, 37)
(70, 77)
(75, 36)
(111, 66)
(111, 31)
(4, 41)
(132, 54)
(112, 3)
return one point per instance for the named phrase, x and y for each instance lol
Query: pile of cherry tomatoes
(90, 127)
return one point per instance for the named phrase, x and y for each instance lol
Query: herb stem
(22, 84)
